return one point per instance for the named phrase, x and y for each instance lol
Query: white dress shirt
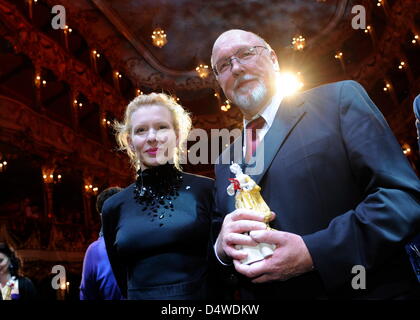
(268, 113)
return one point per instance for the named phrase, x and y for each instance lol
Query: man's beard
(253, 100)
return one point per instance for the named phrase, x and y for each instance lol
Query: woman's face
(4, 264)
(153, 137)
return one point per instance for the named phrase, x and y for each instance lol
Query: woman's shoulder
(117, 199)
(198, 184)
(191, 178)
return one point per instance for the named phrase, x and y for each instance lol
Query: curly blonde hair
(181, 118)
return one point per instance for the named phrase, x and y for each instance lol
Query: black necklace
(156, 189)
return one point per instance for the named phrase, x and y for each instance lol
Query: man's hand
(231, 234)
(291, 258)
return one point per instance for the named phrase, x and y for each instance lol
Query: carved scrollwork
(45, 52)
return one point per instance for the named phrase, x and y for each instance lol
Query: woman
(13, 286)
(157, 229)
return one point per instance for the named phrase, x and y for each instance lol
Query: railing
(34, 234)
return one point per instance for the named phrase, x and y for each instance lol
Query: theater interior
(62, 88)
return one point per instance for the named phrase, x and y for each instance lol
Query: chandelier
(159, 38)
(225, 107)
(202, 70)
(298, 43)
(3, 165)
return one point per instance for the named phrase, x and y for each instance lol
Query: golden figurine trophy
(248, 196)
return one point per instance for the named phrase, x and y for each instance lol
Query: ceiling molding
(340, 12)
(120, 25)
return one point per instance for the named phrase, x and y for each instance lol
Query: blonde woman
(157, 229)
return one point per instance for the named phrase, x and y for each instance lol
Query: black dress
(157, 233)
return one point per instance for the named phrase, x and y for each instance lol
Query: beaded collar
(155, 190)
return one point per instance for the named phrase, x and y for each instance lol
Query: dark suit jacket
(334, 173)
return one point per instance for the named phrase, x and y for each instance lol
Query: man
(341, 191)
(98, 281)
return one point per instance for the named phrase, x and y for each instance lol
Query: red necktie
(251, 136)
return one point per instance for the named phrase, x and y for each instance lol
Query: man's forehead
(229, 42)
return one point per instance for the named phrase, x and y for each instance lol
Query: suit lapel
(288, 115)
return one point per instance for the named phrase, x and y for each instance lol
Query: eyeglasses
(243, 56)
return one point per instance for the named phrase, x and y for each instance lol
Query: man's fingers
(261, 279)
(246, 226)
(251, 271)
(237, 238)
(235, 253)
(267, 278)
(247, 214)
(268, 236)
(272, 217)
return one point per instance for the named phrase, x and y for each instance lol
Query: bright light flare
(288, 83)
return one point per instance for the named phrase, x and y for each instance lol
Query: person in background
(98, 281)
(13, 286)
